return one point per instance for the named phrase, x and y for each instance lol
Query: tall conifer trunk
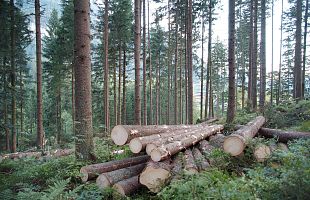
(144, 67)
(262, 76)
(82, 64)
(175, 68)
(297, 64)
(190, 64)
(304, 50)
(106, 67)
(254, 58)
(279, 93)
(137, 9)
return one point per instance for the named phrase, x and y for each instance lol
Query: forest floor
(285, 175)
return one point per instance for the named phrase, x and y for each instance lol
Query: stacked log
(90, 172)
(235, 143)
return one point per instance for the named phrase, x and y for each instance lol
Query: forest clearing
(154, 99)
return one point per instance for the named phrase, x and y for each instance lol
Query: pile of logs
(175, 149)
(37, 154)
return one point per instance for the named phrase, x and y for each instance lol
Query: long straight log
(156, 175)
(122, 134)
(163, 152)
(200, 160)
(110, 178)
(92, 171)
(166, 140)
(235, 143)
(190, 166)
(127, 186)
(138, 144)
(283, 136)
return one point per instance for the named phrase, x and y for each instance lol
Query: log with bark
(177, 167)
(166, 140)
(110, 178)
(62, 152)
(200, 160)
(138, 144)
(92, 171)
(163, 152)
(156, 175)
(127, 186)
(280, 135)
(122, 134)
(235, 143)
(283, 136)
(190, 166)
(217, 140)
(205, 147)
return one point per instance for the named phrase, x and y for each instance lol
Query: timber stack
(167, 151)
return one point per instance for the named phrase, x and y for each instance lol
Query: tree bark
(251, 36)
(254, 58)
(304, 50)
(157, 90)
(137, 10)
(205, 146)
(114, 92)
(106, 67)
(279, 93)
(82, 65)
(177, 167)
(150, 64)
(235, 143)
(175, 67)
(283, 136)
(190, 166)
(217, 140)
(144, 67)
(202, 66)
(124, 88)
(13, 75)
(297, 64)
(190, 64)
(231, 64)
(169, 64)
(90, 172)
(118, 121)
(262, 76)
(163, 152)
(200, 160)
(156, 175)
(211, 114)
(271, 84)
(127, 186)
(108, 179)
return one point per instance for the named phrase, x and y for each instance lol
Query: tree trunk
(186, 64)
(177, 167)
(156, 175)
(73, 99)
(21, 102)
(128, 186)
(175, 68)
(13, 75)
(59, 122)
(137, 30)
(200, 160)
(210, 61)
(254, 58)
(157, 91)
(304, 50)
(108, 179)
(119, 85)
(144, 67)
(251, 36)
(205, 147)
(297, 64)
(190, 166)
(169, 64)
(190, 65)
(124, 88)
(106, 68)
(91, 171)
(170, 149)
(271, 86)
(114, 93)
(82, 65)
(150, 64)
(279, 93)
(235, 143)
(6, 127)
(231, 64)
(283, 136)
(122, 134)
(262, 76)
(202, 67)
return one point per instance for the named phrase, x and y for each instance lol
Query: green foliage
(288, 114)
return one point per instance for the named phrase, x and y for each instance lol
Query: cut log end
(135, 145)
(234, 144)
(84, 175)
(261, 153)
(154, 178)
(119, 135)
(127, 186)
(149, 148)
(156, 155)
(102, 181)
